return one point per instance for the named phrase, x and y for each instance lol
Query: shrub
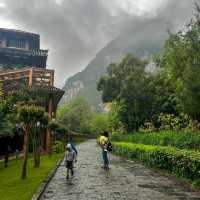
(173, 122)
(58, 147)
(182, 163)
(179, 140)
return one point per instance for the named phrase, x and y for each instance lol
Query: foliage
(129, 85)
(6, 115)
(58, 147)
(31, 116)
(160, 97)
(99, 123)
(59, 131)
(114, 117)
(76, 115)
(58, 128)
(164, 98)
(182, 140)
(30, 95)
(53, 125)
(172, 122)
(180, 60)
(37, 136)
(182, 163)
(7, 122)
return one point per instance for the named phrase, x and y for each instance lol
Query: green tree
(130, 86)
(6, 122)
(164, 97)
(29, 116)
(76, 115)
(180, 59)
(114, 118)
(99, 123)
(59, 131)
(39, 127)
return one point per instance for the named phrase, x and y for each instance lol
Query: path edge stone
(38, 194)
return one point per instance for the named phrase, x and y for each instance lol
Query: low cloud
(75, 30)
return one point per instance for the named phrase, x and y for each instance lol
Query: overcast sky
(75, 30)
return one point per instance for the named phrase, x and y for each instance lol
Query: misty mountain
(141, 40)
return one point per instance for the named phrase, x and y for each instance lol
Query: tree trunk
(35, 152)
(38, 149)
(6, 156)
(25, 151)
(48, 142)
(38, 156)
(6, 160)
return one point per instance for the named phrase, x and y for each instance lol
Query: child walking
(70, 157)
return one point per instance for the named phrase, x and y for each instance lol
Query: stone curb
(44, 184)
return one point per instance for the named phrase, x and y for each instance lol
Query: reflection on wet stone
(124, 181)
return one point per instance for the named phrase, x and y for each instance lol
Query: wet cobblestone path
(124, 181)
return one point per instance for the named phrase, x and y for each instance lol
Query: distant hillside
(142, 40)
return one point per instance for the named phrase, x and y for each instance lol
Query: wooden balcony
(35, 76)
(39, 80)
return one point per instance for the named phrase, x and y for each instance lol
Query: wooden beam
(49, 135)
(30, 82)
(52, 78)
(34, 75)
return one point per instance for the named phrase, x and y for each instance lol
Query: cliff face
(73, 91)
(84, 83)
(142, 41)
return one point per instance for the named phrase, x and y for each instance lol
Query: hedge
(180, 140)
(182, 163)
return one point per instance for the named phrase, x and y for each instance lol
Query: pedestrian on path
(105, 146)
(70, 157)
(73, 145)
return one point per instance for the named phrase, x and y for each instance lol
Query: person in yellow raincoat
(103, 141)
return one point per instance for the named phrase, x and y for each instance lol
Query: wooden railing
(35, 76)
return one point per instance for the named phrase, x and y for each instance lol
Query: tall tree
(29, 115)
(6, 122)
(180, 59)
(129, 85)
(36, 135)
(76, 115)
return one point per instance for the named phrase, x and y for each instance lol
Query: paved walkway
(124, 181)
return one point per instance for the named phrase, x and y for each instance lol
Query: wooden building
(21, 49)
(22, 61)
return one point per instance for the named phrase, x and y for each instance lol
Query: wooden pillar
(30, 81)
(50, 106)
(52, 79)
(48, 135)
(48, 141)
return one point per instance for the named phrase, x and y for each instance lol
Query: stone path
(124, 181)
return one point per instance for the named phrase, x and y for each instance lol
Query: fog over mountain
(142, 37)
(75, 30)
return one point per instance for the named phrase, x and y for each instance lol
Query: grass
(179, 140)
(12, 187)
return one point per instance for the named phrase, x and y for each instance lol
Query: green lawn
(14, 188)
